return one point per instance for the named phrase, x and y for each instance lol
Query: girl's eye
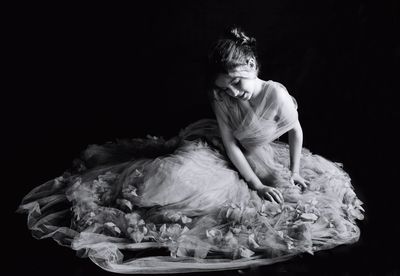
(236, 81)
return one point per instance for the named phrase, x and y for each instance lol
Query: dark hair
(234, 48)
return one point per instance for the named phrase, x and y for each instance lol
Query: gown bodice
(254, 125)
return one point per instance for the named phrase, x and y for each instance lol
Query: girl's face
(241, 82)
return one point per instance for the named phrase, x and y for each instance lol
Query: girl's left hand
(297, 179)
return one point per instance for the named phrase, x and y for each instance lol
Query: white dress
(184, 197)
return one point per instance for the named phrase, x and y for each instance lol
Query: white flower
(245, 253)
(125, 204)
(137, 236)
(172, 232)
(252, 242)
(309, 217)
(186, 219)
(214, 235)
(112, 227)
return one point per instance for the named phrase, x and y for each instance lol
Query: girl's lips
(245, 96)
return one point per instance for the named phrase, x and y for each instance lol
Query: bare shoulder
(277, 87)
(279, 92)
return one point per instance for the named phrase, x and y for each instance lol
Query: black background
(84, 75)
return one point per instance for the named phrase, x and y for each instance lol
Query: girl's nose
(234, 91)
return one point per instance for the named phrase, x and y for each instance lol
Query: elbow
(296, 131)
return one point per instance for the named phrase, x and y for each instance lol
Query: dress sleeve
(280, 110)
(285, 104)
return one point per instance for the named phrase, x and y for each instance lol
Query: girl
(223, 194)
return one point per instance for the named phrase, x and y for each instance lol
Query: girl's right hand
(270, 194)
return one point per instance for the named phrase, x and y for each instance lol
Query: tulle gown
(182, 203)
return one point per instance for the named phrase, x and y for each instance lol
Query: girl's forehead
(224, 79)
(245, 73)
(242, 71)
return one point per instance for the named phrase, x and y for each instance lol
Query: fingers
(271, 194)
(299, 181)
(274, 196)
(269, 197)
(277, 195)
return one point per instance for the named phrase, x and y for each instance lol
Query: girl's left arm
(295, 145)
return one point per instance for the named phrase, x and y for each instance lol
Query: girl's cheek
(242, 86)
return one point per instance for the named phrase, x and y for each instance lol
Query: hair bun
(241, 38)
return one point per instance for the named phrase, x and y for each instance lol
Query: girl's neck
(258, 88)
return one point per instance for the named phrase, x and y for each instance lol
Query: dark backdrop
(86, 75)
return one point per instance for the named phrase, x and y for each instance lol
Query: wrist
(255, 183)
(294, 172)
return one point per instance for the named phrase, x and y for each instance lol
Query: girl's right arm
(237, 157)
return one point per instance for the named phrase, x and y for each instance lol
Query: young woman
(223, 194)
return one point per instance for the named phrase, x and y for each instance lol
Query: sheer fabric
(256, 126)
(183, 203)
